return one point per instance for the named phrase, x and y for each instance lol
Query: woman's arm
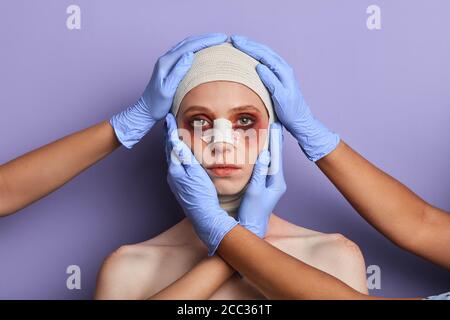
(200, 282)
(37, 173)
(278, 275)
(389, 206)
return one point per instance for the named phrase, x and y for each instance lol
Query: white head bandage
(223, 62)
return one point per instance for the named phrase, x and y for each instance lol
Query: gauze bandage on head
(224, 63)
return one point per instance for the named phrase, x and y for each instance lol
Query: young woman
(222, 85)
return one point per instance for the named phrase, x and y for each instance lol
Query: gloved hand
(195, 191)
(313, 137)
(264, 191)
(133, 123)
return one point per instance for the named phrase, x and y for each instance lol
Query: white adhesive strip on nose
(222, 131)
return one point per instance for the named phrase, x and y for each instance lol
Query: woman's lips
(223, 170)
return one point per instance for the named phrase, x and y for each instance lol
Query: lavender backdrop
(386, 92)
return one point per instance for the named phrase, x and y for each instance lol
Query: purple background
(385, 92)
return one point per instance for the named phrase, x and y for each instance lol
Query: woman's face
(229, 166)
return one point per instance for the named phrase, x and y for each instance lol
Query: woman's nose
(222, 148)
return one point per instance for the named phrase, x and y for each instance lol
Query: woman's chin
(228, 188)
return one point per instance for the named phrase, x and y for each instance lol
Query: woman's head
(223, 111)
(229, 165)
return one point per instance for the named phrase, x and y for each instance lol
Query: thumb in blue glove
(195, 191)
(314, 138)
(266, 186)
(133, 123)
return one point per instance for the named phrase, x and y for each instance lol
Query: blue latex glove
(195, 191)
(264, 191)
(134, 122)
(313, 137)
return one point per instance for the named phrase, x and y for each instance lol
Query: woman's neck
(230, 203)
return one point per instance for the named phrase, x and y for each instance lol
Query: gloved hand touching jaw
(314, 138)
(133, 123)
(266, 186)
(195, 191)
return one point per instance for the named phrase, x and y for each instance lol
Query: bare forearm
(200, 282)
(39, 172)
(388, 205)
(380, 199)
(278, 275)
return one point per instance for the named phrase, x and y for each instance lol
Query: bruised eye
(245, 121)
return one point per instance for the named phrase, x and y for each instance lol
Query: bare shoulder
(342, 258)
(138, 271)
(332, 253)
(115, 278)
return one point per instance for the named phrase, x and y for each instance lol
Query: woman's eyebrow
(198, 109)
(245, 108)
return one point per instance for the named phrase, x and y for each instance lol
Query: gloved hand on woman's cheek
(314, 138)
(133, 123)
(266, 186)
(195, 191)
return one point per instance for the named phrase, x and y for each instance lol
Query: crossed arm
(385, 203)
(274, 273)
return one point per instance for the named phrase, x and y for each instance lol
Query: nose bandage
(222, 131)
